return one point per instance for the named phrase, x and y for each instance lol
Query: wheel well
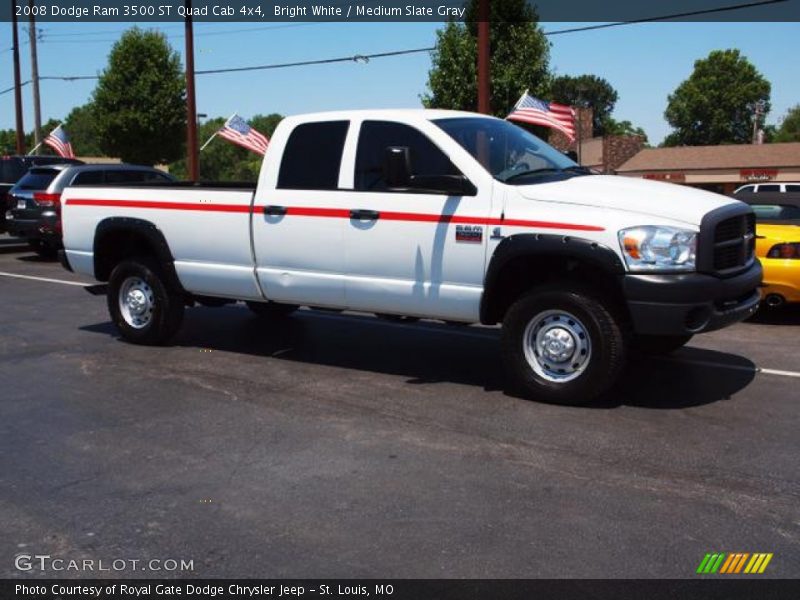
(520, 274)
(116, 241)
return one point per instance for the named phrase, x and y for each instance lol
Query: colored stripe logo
(734, 563)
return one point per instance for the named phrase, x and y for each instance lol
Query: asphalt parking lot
(345, 446)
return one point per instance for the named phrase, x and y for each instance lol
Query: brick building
(716, 168)
(604, 154)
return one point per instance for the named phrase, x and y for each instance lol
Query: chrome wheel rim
(557, 346)
(136, 302)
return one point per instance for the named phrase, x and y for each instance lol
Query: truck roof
(385, 113)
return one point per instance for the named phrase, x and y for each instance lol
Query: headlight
(656, 248)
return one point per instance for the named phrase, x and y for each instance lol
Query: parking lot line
(47, 279)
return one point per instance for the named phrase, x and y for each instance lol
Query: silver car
(35, 201)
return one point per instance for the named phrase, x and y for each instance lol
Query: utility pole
(37, 107)
(758, 110)
(483, 57)
(192, 155)
(17, 82)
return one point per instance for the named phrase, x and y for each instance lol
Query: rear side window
(37, 179)
(313, 156)
(116, 176)
(376, 136)
(769, 188)
(88, 178)
(793, 188)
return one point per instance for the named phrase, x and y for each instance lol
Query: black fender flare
(542, 245)
(142, 228)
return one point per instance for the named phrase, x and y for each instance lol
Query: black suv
(35, 201)
(12, 168)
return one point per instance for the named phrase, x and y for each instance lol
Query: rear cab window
(312, 157)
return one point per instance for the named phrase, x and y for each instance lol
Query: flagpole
(580, 136)
(215, 133)
(35, 148)
(203, 147)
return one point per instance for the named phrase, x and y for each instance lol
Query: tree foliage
(715, 104)
(224, 161)
(587, 91)
(81, 127)
(139, 101)
(519, 59)
(613, 127)
(789, 130)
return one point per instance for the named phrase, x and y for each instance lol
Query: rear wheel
(563, 344)
(271, 310)
(141, 304)
(659, 345)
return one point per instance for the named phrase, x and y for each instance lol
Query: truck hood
(629, 194)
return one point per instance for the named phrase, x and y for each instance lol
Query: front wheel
(141, 304)
(563, 345)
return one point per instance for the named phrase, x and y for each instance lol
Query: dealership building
(719, 169)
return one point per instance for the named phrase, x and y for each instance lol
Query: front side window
(375, 136)
(509, 153)
(312, 156)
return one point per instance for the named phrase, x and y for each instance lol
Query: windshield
(508, 152)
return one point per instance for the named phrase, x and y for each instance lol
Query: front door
(412, 253)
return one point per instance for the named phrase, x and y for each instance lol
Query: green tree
(613, 127)
(224, 161)
(715, 104)
(519, 59)
(586, 91)
(81, 126)
(789, 130)
(139, 101)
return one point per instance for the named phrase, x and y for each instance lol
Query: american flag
(58, 140)
(538, 112)
(237, 130)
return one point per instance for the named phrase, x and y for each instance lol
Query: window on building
(312, 156)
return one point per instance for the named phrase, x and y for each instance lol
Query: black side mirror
(397, 167)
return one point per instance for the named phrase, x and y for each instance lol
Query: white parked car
(432, 214)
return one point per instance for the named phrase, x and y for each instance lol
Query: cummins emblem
(469, 233)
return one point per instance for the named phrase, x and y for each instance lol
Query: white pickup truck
(434, 214)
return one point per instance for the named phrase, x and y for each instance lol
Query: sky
(644, 62)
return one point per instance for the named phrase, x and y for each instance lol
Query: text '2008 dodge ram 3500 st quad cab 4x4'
(435, 214)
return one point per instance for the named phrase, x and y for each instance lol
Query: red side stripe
(336, 213)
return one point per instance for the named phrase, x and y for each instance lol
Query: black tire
(158, 325)
(587, 321)
(43, 249)
(659, 345)
(271, 310)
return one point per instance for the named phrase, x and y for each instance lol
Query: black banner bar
(264, 11)
(715, 588)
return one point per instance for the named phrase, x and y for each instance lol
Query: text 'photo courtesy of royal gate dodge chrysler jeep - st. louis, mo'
(433, 214)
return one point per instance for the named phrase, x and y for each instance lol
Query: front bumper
(689, 303)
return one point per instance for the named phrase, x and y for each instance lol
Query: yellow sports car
(778, 249)
(777, 243)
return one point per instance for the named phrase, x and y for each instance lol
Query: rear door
(413, 253)
(299, 217)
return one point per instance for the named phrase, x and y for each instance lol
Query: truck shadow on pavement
(788, 315)
(429, 353)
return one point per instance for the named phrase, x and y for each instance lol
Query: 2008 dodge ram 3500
(435, 214)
